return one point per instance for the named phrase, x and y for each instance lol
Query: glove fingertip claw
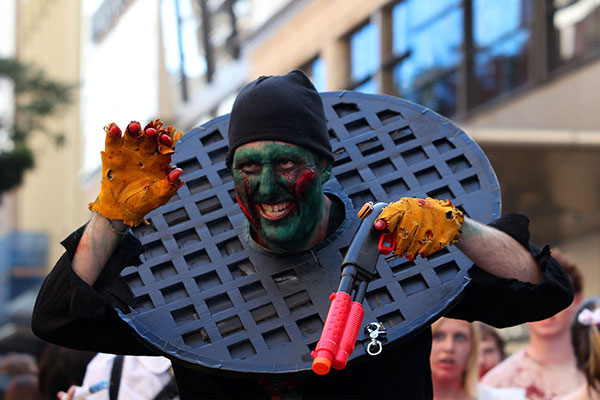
(174, 175)
(166, 140)
(113, 130)
(380, 224)
(134, 129)
(150, 132)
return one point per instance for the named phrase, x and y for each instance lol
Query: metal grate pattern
(206, 295)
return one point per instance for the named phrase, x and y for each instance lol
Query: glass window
(501, 35)
(317, 73)
(364, 58)
(575, 29)
(194, 64)
(427, 37)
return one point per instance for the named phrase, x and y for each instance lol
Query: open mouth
(273, 212)
(446, 362)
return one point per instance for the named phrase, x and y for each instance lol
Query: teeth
(275, 209)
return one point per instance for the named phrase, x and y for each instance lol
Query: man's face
(279, 187)
(557, 325)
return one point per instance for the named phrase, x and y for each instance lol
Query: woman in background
(585, 336)
(454, 363)
(454, 359)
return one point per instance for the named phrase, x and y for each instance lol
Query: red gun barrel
(350, 335)
(333, 331)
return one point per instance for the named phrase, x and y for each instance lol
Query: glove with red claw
(421, 226)
(136, 175)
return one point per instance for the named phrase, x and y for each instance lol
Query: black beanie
(285, 108)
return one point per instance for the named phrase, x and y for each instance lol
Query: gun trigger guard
(386, 238)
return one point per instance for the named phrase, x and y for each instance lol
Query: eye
(249, 167)
(461, 337)
(286, 164)
(438, 336)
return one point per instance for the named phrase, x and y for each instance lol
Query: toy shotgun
(346, 313)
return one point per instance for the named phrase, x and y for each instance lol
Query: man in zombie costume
(280, 156)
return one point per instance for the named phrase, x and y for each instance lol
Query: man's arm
(97, 244)
(71, 313)
(512, 281)
(501, 296)
(76, 303)
(497, 253)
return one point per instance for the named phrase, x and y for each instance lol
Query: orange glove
(421, 226)
(136, 175)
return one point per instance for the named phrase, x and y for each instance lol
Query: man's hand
(136, 175)
(421, 226)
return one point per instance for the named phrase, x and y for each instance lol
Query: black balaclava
(284, 108)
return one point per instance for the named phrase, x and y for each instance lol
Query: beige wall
(568, 102)
(7, 215)
(49, 200)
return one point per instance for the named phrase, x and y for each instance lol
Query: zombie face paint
(279, 188)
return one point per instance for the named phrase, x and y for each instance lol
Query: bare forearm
(497, 253)
(97, 244)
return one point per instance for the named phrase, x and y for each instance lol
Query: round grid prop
(208, 296)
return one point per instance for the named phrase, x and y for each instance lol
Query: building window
(427, 42)
(364, 58)
(575, 30)
(455, 55)
(501, 39)
(317, 72)
(180, 38)
(200, 37)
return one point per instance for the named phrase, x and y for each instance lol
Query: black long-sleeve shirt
(71, 313)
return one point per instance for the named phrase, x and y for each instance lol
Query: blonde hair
(471, 373)
(586, 345)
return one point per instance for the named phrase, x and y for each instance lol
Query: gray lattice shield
(208, 297)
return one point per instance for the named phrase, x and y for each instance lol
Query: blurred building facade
(37, 215)
(520, 76)
(49, 201)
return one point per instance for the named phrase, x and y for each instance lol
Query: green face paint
(279, 186)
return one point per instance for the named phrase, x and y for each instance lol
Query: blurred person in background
(15, 364)
(585, 334)
(546, 368)
(454, 363)
(17, 372)
(61, 368)
(454, 359)
(130, 378)
(23, 387)
(491, 348)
